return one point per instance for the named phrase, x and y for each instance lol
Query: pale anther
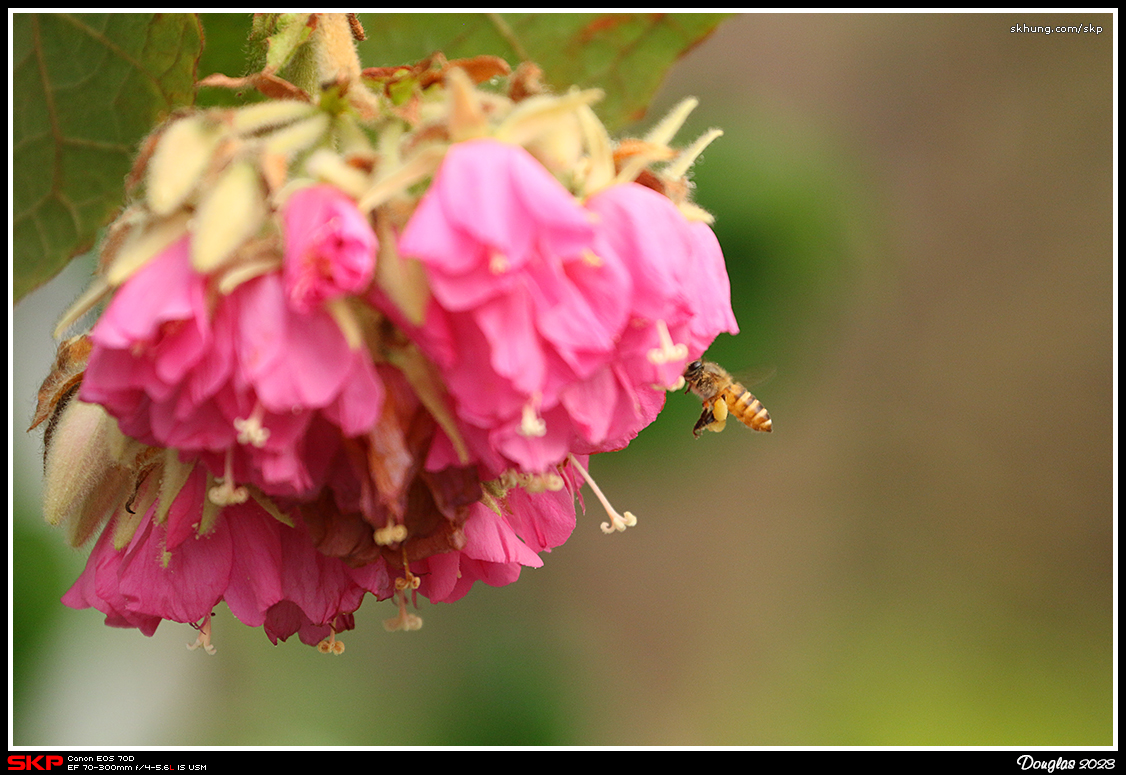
(391, 534)
(404, 621)
(532, 424)
(669, 351)
(204, 639)
(250, 429)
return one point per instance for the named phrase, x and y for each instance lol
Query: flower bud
(229, 213)
(183, 154)
(84, 482)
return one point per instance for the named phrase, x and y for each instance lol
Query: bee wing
(755, 377)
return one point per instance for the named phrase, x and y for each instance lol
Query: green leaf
(86, 88)
(625, 54)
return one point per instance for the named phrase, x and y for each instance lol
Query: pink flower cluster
(317, 473)
(261, 382)
(268, 573)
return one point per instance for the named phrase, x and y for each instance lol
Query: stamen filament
(404, 621)
(227, 494)
(204, 639)
(618, 522)
(407, 582)
(668, 351)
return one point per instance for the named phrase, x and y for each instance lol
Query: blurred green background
(917, 216)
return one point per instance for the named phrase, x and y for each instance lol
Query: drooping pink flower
(679, 281)
(557, 325)
(337, 442)
(521, 306)
(498, 544)
(680, 302)
(709, 291)
(329, 247)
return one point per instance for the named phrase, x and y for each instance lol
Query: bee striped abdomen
(748, 409)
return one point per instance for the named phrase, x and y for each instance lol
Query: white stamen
(531, 424)
(549, 482)
(250, 429)
(404, 621)
(552, 482)
(227, 494)
(509, 478)
(546, 482)
(204, 639)
(618, 522)
(668, 351)
(411, 581)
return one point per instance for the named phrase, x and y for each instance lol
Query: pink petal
(543, 520)
(488, 537)
(184, 589)
(160, 291)
(256, 573)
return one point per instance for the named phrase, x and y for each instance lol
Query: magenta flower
(680, 302)
(522, 308)
(329, 247)
(557, 327)
(679, 280)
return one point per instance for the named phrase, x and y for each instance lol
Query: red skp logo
(27, 762)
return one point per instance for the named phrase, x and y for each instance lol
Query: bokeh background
(917, 216)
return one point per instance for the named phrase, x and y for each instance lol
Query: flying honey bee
(722, 396)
